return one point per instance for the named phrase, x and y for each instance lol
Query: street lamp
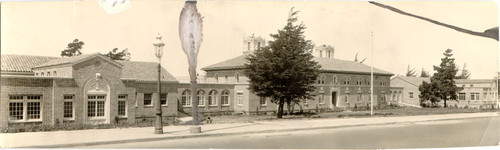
(158, 52)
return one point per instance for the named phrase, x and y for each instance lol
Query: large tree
(73, 49)
(115, 55)
(284, 70)
(442, 82)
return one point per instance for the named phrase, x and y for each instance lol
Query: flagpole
(371, 80)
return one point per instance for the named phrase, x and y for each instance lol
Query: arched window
(224, 98)
(48, 74)
(41, 74)
(212, 98)
(186, 98)
(55, 73)
(201, 98)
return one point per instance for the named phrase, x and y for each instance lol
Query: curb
(231, 133)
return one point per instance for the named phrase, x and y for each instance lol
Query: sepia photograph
(249, 74)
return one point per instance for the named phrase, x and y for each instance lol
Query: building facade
(474, 93)
(93, 89)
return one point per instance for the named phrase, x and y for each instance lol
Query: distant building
(324, 51)
(474, 92)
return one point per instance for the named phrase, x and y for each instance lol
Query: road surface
(433, 134)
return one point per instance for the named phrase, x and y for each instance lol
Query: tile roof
(327, 64)
(69, 60)
(22, 63)
(144, 71)
(141, 71)
(416, 81)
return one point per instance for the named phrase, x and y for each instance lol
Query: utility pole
(371, 80)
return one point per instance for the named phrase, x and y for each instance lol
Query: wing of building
(474, 93)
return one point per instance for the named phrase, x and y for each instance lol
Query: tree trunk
(288, 108)
(445, 106)
(280, 108)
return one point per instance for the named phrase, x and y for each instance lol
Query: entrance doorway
(334, 99)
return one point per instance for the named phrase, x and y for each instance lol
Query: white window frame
(239, 98)
(69, 98)
(200, 98)
(186, 96)
(212, 97)
(464, 96)
(122, 98)
(166, 99)
(227, 96)
(150, 98)
(263, 99)
(474, 96)
(97, 100)
(321, 99)
(24, 101)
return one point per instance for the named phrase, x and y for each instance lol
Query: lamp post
(158, 52)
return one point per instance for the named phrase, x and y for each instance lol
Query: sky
(45, 29)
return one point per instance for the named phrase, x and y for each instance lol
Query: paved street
(437, 134)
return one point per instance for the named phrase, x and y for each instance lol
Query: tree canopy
(424, 73)
(115, 55)
(464, 73)
(284, 70)
(442, 85)
(410, 72)
(73, 49)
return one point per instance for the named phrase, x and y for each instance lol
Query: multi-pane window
(68, 106)
(95, 105)
(163, 99)
(122, 105)
(321, 98)
(410, 94)
(201, 97)
(359, 97)
(240, 98)
(186, 98)
(382, 96)
(263, 101)
(346, 98)
(148, 99)
(16, 110)
(474, 96)
(212, 98)
(224, 98)
(24, 107)
(461, 96)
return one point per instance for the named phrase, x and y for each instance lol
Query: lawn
(399, 111)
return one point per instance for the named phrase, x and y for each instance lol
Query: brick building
(341, 83)
(83, 89)
(94, 89)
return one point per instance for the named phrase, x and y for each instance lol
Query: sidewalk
(60, 139)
